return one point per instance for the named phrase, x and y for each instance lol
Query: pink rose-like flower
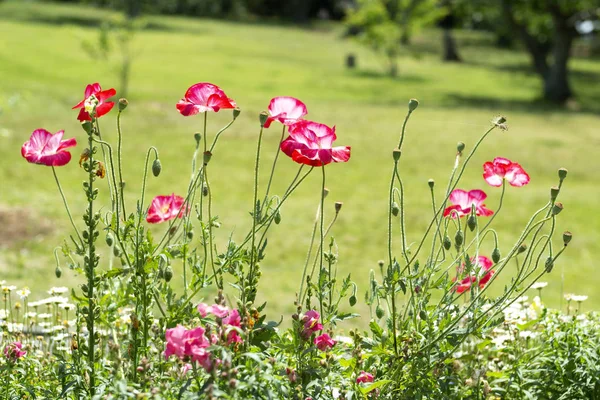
(311, 143)
(95, 98)
(364, 377)
(286, 110)
(13, 351)
(47, 149)
(233, 320)
(165, 208)
(462, 202)
(203, 97)
(216, 310)
(500, 169)
(175, 338)
(324, 342)
(311, 322)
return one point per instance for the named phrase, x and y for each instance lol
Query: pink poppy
(13, 351)
(463, 201)
(48, 149)
(500, 169)
(324, 342)
(310, 143)
(286, 110)
(364, 377)
(486, 278)
(482, 262)
(216, 310)
(95, 100)
(203, 97)
(164, 208)
(482, 267)
(465, 284)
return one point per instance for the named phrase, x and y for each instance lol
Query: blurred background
(355, 63)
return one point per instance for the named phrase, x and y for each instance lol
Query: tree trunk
(450, 50)
(556, 80)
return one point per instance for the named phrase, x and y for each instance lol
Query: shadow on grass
(382, 75)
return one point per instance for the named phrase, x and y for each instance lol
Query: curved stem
(274, 164)
(66, 205)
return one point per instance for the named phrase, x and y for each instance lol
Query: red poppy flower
(486, 278)
(203, 97)
(501, 168)
(310, 143)
(164, 208)
(465, 284)
(48, 149)
(463, 201)
(286, 110)
(483, 267)
(95, 99)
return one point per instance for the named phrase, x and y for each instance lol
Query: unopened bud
(447, 243)
(423, 315)
(458, 239)
(109, 239)
(156, 167)
(207, 156)
(554, 190)
(562, 173)
(395, 209)
(338, 206)
(396, 154)
(190, 234)
(549, 264)
(381, 263)
(58, 271)
(236, 112)
(431, 183)
(352, 301)
(277, 218)
(263, 118)
(496, 255)
(522, 248)
(557, 208)
(379, 311)
(567, 236)
(472, 222)
(412, 105)
(460, 146)
(168, 274)
(204, 191)
(123, 103)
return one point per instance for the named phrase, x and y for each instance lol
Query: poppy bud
(352, 300)
(379, 312)
(263, 118)
(204, 191)
(496, 255)
(395, 209)
(549, 264)
(236, 112)
(58, 271)
(412, 105)
(557, 208)
(472, 222)
(87, 127)
(123, 103)
(190, 235)
(197, 137)
(397, 153)
(338, 206)
(431, 183)
(522, 248)
(277, 218)
(156, 167)
(567, 236)
(207, 157)
(381, 263)
(423, 315)
(109, 239)
(458, 239)
(447, 243)
(460, 146)
(562, 173)
(554, 190)
(168, 273)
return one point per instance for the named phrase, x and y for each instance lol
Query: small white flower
(539, 285)
(4, 314)
(23, 293)
(67, 306)
(54, 300)
(45, 316)
(57, 290)
(569, 296)
(528, 334)
(579, 299)
(8, 289)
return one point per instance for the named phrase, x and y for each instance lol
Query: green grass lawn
(43, 72)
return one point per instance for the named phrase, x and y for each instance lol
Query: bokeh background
(355, 63)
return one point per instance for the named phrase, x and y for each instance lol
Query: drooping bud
(472, 222)
(522, 248)
(109, 239)
(496, 255)
(168, 273)
(58, 271)
(557, 208)
(458, 238)
(206, 157)
(338, 206)
(190, 234)
(562, 173)
(549, 264)
(379, 311)
(352, 301)
(123, 103)
(395, 209)
(263, 118)
(396, 154)
(197, 137)
(156, 167)
(116, 251)
(412, 105)
(277, 218)
(204, 190)
(554, 190)
(567, 236)
(460, 146)
(431, 183)
(447, 243)
(236, 112)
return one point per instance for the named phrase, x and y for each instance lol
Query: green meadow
(44, 70)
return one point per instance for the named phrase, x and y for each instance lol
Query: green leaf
(374, 386)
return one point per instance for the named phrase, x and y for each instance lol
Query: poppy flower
(286, 110)
(500, 169)
(48, 149)
(164, 208)
(462, 202)
(483, 267)
(95, 99)
(310, 143)
(203, 97)
(465, 284)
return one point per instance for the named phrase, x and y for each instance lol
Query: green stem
(322, 235)
(273, 167)
(66, 205)
(255, 208)
(119, 159)
(390, 274)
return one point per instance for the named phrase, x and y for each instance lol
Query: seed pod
(413, 104)
(156, 167)
(558, 207)
(123, 103)
(567, 236)
(460, 146)
(263, 118)
(522, 248)
(562, 173)
(396, 154)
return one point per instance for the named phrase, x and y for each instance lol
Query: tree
(387, 25)
(547, 30)
(448, 23)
